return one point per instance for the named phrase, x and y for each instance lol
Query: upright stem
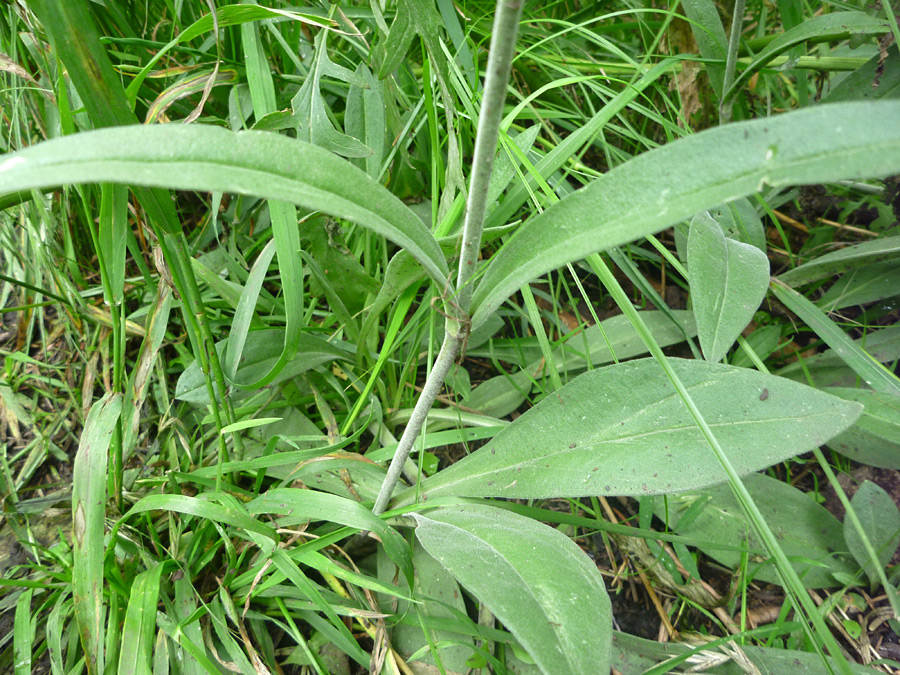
(503, 44)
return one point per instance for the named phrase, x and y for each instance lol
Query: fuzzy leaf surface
(669, 184)
(728, 281)
(623, 430)
(535, 579)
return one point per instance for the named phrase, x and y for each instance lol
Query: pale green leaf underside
(534, 579)
(622, 430)
(664, 186)
(211, 159)
(728, 281)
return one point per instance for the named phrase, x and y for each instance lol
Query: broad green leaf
(622, 430)
(811, 536)
(534, 579)
(140, 622)
(834, 26)
(262, 349)
(863, 364)
(875, 438)
(672, 183)
(859, 255)
(880, 520)
(88, 516)
(197, 157)
(300, 506)
(728, 281)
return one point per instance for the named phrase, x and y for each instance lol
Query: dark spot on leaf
(764, 395)
(571, 445)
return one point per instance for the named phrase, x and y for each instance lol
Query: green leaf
(622, 430)
(202, 508)
(728, 281)
(875, 438)
(809, 535)
(829, 369)
(197, 157)
(611, 339)
(863, 364)
(857, 85)
(309, 107)
(440, 597)
(634, 656)
(364, 120)
(678, 180)
(859, 255)
(711, 39)
(534, 579)
(861, 286)
(140, 622)
(262, 349)
(880, 520)
(88, 515)
(300, 506)
(835, 26)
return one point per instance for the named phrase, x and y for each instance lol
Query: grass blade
(88, 514)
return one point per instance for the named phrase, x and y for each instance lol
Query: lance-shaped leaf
(672, 183)
(728, 281)
(536, 580)
(88, 515)
(197, 157)
(622, 430)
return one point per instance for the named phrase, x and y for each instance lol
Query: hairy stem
(503, 44)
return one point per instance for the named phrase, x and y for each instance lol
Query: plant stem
(503, 44)
(734, 41)
(442, 364)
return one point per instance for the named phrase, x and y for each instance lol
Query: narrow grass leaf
(193, 506)
(872, 373)
(88, 515)
(298, 506)
(198, 157)
(249, 424)
(23, 634)
(678, 180)
(140, 622)
(622, 430)
(859, 255)
(728, 281)
(880, 520)
(533, 578)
